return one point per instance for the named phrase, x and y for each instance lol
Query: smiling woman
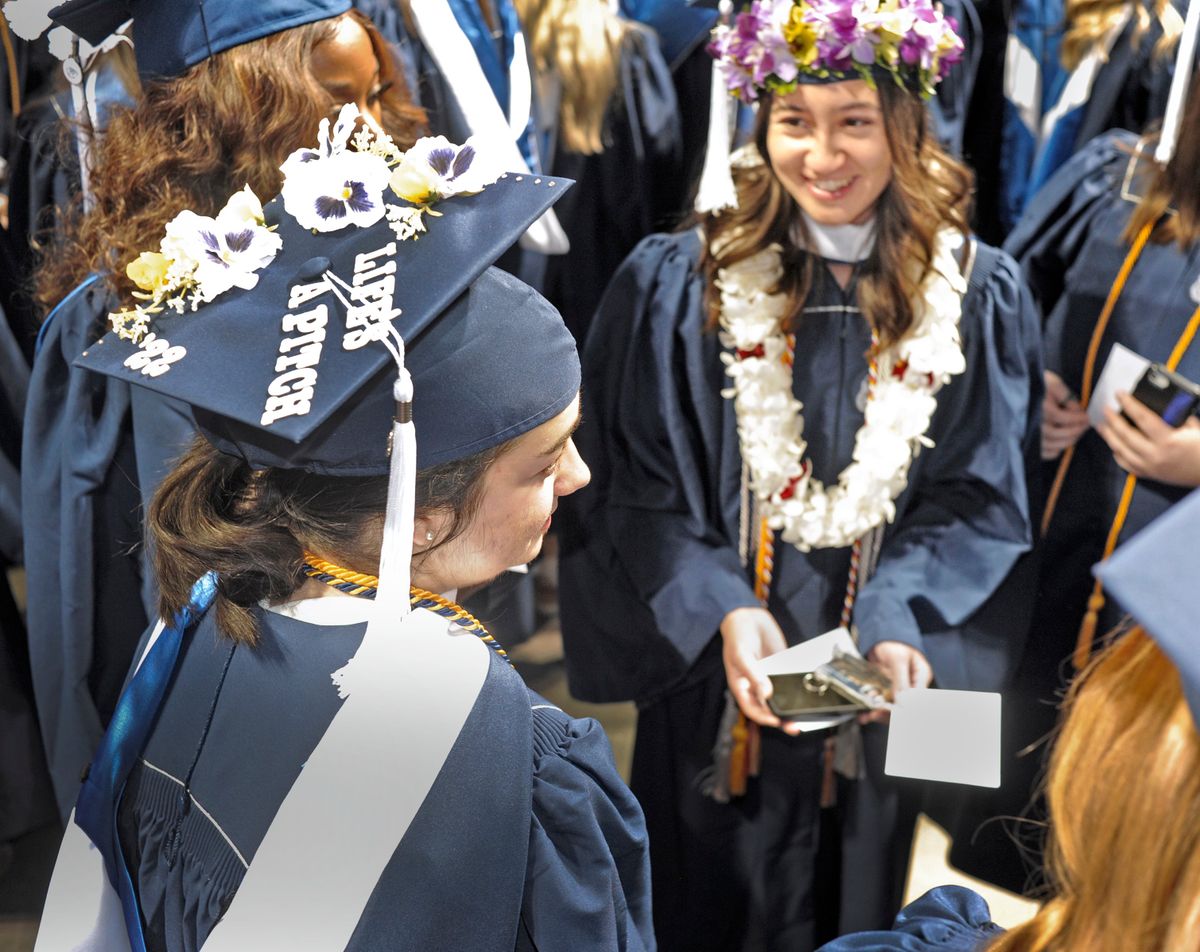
(803, 414)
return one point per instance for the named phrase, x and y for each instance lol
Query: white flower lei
(897, 415)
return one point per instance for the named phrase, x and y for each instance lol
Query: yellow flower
(801, 36)
(415, 181)
(148, 270)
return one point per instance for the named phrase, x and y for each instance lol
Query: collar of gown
(846, 244)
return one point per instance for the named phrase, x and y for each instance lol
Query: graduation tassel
(716, 190)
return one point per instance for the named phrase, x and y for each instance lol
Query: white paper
(951, 736)
(1122, 371)
(808, 656)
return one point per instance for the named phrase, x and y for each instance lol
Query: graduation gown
(1070, 249)
(92, 454)
(651, 567)
(945, 919)
(528, 839)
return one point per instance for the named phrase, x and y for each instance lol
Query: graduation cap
(295, 371)
(1153, 576)
(171, 36)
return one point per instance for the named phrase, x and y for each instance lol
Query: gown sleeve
(1055, 225)
(587, 884)
(967, 519)
(80, 518)
(654, 428)
(946, 919)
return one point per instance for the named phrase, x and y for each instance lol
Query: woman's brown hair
(580, 42)
(1175, 186)
(929, 191)
(194, 140)
(251, 527)
(1124, 798)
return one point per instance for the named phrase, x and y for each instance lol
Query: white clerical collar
(848, 244)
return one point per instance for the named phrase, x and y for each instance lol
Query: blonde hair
(1124, 798)
(1088, 22)
(580, 41)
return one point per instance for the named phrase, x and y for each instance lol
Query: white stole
(409, 693)
(459, 66)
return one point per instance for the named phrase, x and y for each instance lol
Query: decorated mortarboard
(275, 324)
(306, 334)
(171, 36)
(1153, 576)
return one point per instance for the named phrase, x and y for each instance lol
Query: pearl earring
(429, 536)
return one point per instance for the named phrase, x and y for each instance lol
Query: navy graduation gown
(528, 839)
(652, 542)
(1070, 249)
(945, 919)
(92, 455)
(650, 567)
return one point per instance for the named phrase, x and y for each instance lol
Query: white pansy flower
(330, 193)
(435, 168)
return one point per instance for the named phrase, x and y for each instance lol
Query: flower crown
(325, 189)
(775, 42)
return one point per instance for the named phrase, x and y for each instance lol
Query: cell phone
(800, 695)
(847, 684)
(1172, 396)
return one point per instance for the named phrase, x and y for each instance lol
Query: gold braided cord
(371, 582)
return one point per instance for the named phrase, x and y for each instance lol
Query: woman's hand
(749, 635)
(1153, 449)
(1063, 419)
(905, 665)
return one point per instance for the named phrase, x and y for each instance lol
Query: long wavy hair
(1124, 797)
(214, 513)
(580, 42)
(929, 191)
(1089, 21)
(193, 140)
(1175, 185)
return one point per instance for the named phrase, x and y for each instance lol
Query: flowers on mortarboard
(332, 186)
(771, 44)
(435, 168)
(199, 258)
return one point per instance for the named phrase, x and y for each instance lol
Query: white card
(808, 656)
(1122, 371)
(952, 736)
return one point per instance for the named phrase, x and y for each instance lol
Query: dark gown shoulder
(651, 544)
(945, 919)
(587, 886)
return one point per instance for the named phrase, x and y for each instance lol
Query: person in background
(1110, 253)
(229, 90)
(1123, 788)
(756, 385)
(1072, 70)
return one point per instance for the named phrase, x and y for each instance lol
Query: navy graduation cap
(281, 326)
(171, 36)
(1153, 576)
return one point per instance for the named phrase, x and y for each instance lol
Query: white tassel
(717, 190)
(1179, 86)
